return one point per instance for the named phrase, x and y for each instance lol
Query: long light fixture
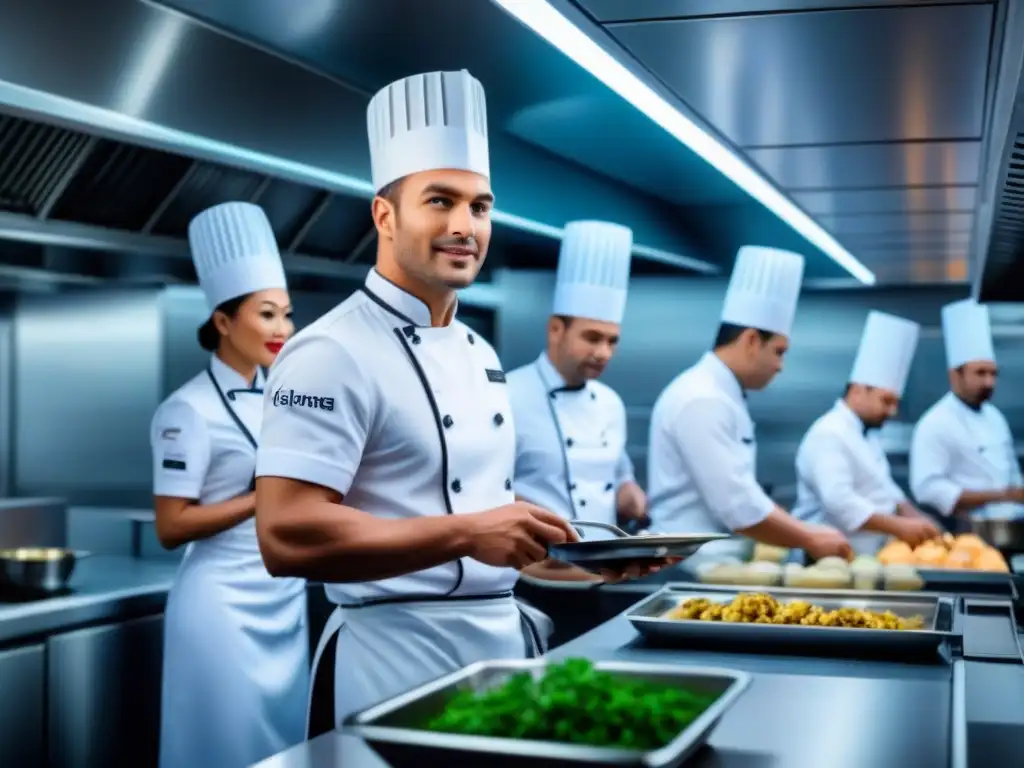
(549, 23)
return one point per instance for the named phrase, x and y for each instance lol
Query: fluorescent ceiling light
(550, 24)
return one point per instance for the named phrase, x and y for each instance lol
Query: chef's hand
(635, 570)
(915, 530)
(631, 502)
(827, 542)
(515, 535)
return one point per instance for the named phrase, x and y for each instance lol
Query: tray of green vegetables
(537, 712)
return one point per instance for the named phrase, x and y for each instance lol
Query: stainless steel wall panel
(854, 166)
(827, 202)
(898, 222)
(87, 378)
(621, 10)
(814, 78)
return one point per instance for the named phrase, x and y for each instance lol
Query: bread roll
(833, 564)
(902, 578)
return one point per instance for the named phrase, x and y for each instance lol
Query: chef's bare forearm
(780, 529)
(326, 541)
(882, 523)
(178, 521)
(971, 500)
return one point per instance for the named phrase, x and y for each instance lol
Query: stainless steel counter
(801, 712)
(102, 588)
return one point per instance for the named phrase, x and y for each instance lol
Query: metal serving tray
(936, 610)
(391, 727)
(641, 547)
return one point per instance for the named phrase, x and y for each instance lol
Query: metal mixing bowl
(44, 569)
(1004, 535)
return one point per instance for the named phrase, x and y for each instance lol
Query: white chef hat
(886, 351)
(764, 289)
(425, 123)
(967, 333)
(593, 271)
(234, 252)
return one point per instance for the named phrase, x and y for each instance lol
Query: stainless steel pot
(43, 569)
(1005, 535)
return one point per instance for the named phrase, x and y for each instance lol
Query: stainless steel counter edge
(104, 588)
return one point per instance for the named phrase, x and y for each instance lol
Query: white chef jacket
(348, 409)
(702, 459)
(844, 477)
(199, 451)
(956, 448)
(570, 443)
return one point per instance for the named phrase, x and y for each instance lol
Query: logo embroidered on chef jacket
(291, 398)
(174, 464)
(498, 377)
(170, 433)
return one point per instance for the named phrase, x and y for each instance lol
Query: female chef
(236, 672)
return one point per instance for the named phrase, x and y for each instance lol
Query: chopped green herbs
(576, 703)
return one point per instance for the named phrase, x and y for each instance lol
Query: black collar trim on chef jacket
(572, 388)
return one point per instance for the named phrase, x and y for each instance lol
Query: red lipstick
(274, 346)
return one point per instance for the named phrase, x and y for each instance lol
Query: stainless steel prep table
(103, 588)
(804, 712)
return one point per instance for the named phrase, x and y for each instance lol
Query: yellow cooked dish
(759, 608)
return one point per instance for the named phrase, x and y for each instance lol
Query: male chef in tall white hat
(570, 428)
(388, 473)
(703, 452)
(962, 459)
(843, 474)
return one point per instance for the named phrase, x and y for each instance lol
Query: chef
(236, 646)
(570, 428)
(843, 475)
(386, 463)
(962, 459)
(702, 457)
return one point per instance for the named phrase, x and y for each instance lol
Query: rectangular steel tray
(391, 726)
(640, 547)
(936, 610)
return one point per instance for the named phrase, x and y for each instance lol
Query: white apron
(380, 651)
(236, 653)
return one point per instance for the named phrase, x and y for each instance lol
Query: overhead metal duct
(147, 117)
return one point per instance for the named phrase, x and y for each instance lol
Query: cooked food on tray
(758, 608)
(576, 703)
(964, 552)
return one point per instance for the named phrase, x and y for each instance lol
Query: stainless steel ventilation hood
(146, 117)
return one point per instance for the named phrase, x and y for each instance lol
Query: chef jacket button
(499, 419)
(604, 444)
(569, 442)
(572, 487)
(583, 502)
(415, 339)
(608, 486)
(447, 421)
(470, 339)
(508, 484)
(456, 485)
(593, 396)
(551, 395)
